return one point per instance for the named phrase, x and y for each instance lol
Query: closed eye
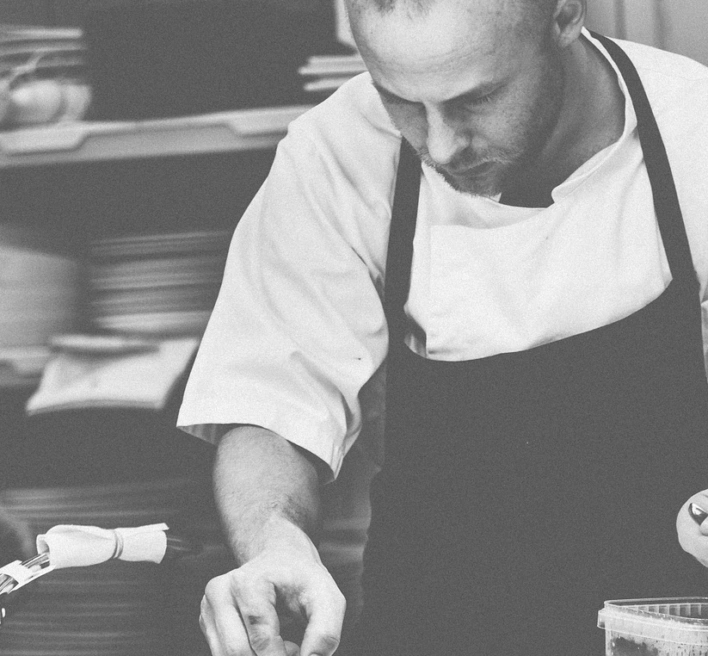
(475, 99)
(480, 101)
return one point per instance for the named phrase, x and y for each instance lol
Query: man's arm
(267, 492)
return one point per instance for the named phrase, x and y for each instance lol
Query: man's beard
(491, 173)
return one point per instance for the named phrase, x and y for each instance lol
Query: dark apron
(522, 490)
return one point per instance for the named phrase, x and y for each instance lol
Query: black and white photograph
(354, 327)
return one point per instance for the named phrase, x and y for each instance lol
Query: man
(538, 311)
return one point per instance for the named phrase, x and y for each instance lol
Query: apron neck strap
(663, 188)
(399, 257)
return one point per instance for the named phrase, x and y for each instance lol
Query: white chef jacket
(298, 337)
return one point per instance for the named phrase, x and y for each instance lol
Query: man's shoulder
(348, 138)
(353, 117)
(663, 62)
(669, 78)
(677, 89)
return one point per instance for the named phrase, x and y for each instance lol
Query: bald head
(529, 17)
(421, 5)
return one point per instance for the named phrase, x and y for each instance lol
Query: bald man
(508, 216)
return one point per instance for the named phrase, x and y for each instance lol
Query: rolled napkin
(80, 546)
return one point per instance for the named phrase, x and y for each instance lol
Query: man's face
(475, 96)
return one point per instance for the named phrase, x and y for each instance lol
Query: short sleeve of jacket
(298, 328)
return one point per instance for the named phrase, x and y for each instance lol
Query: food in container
(676, 626)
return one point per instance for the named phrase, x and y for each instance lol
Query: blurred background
(133, 134)
(675, 25)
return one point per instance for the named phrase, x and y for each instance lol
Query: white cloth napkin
(80, 546)
(75, 380)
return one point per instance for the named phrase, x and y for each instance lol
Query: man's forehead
(464, 29)
(438, 57)
(502, 9)
(479, 18)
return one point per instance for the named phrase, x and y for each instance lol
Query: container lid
(682, 620)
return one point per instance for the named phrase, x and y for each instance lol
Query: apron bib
(522, 490)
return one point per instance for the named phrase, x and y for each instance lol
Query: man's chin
(487, 186)
(482, 179)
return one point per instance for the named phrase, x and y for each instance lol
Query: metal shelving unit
(86, 141)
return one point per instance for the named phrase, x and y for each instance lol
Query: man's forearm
(267, 492)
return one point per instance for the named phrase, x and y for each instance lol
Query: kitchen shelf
(11, 381)
(94, 141)
(21, 368)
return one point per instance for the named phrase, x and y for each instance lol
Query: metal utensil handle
(17, 574)
(179, 546)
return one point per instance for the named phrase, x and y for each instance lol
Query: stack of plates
(62, 50)
(162, 284)
(113, 609)
(325, 73)
(107, 505)
(38, 289)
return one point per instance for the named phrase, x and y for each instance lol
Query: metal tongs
(18, 574)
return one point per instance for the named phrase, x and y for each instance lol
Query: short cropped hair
(538, 13)
(540, 7)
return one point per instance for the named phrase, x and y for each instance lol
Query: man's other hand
(693, 536)
(242, 611)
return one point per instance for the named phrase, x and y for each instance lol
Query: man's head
(476, 86)
(534, 12)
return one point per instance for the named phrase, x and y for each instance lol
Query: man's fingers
(701, 500)
(220, 622)
(291, 649)
(691, 536)
(237, 620)
(255, 600)
(239, 616)
(324, 627)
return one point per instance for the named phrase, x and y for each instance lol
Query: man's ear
(568, 21)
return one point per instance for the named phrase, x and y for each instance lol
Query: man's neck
(592, 118)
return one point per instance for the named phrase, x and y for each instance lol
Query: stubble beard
(496, 171)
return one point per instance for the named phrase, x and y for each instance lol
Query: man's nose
(445, 139)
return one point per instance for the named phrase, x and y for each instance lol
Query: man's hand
(267, 492)
(693, 537)
(240, 610)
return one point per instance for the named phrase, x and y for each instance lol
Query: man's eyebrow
(479, 91)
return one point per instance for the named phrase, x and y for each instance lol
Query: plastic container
(676, 626)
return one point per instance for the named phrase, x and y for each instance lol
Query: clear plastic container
(675, 626)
